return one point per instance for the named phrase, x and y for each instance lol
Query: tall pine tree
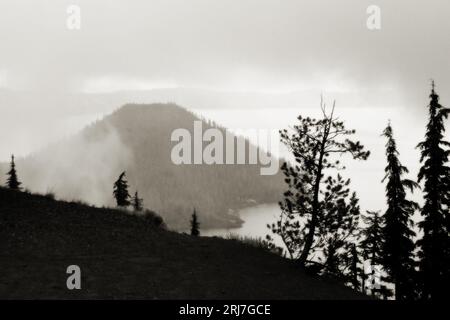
(13, 182)
(121, 191)
(434, 245)
(398, 244)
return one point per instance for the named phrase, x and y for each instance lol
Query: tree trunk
(315, 207)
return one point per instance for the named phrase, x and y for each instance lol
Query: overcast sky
(253, 45)
(213, 54)
(237, 61)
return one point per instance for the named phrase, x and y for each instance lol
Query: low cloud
(80, 168)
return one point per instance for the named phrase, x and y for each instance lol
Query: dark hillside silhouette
(128, 256)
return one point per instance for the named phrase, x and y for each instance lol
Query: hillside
(123, 256)
(137, 139)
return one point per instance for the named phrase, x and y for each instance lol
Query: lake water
(255, 222)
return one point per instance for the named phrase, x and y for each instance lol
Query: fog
(369, 123)
(80, 168)
(242, 63)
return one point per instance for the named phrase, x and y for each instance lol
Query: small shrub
(254, 242)
(82, 203)
(50, 195)
(153, 219)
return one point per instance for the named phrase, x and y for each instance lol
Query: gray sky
(211, 54)
(245, 45)
(252, 63)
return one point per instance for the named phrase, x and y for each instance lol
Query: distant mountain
(137, 139)
(50, 113)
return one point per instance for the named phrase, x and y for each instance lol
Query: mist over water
(255, 223)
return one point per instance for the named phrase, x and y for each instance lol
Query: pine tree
(434, 247)
(372, 237)
(338, 229)
(398, 245)
(356, 268)
(372, 250)
(314, 204)
(195, 225)
(13, 182)
(121, 191)
(137, 202)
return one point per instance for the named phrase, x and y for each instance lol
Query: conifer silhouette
(372, 249)
(434, 247)
(195, 225)
(121, 191)
(137, 202)
(356, 271)
(13, 181)
(327, 206)
(398, 244)
(372, 237)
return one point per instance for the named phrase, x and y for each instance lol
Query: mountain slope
(122, 256)
(137, 139)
